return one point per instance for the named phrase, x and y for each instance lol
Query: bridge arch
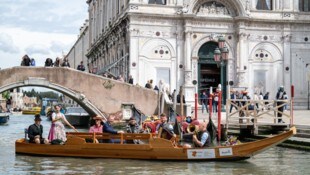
(96, 94)
(41, 82)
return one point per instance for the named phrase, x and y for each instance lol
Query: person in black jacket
(81, 67)
(280, 97)
(35, 131)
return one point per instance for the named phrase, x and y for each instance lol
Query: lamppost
(221, 57)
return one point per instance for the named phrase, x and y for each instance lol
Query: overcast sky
(39, 28)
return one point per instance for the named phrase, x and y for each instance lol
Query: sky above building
(39, 28)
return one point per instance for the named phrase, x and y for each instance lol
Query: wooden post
(292, 106)
(219, 115)
(94, 137)
(196, 105)
(122, 138)
(181, 100)
(162, 106)
(158, 97)
(227, 114)
(210, 107)
(174, 100)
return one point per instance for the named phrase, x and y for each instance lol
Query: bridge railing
(252, 112)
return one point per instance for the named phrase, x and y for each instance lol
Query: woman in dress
(57, 130)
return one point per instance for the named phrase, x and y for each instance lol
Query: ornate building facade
(174, 41)
(78, 52)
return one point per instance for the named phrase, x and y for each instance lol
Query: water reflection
(273, 161)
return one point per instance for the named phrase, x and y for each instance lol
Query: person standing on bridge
(32, 62)
(25, 61)
(57, 130)
(81, 67)
(48, 62)
(65, 63)
(57, 62)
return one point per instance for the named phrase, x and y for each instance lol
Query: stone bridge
(96, 94)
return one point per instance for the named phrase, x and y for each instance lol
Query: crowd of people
(164, 129)
(27, 61)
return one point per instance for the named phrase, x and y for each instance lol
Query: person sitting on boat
(108, 128)
(35, 131)
(202, 137)
(132, 126)
(97, 126)
(165, 129)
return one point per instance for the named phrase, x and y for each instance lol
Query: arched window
(163, 2)
(304, 5)
(264, 5)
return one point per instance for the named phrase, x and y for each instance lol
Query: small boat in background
(77, 116)
(33, 110)
(17, 111)
(4, 117)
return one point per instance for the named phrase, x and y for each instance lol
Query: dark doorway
(209, 74)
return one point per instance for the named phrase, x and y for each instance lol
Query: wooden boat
(77, 116)
(32, 111)
(151, 148)
(4, 117)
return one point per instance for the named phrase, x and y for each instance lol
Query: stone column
(295, 6)
(273, 5)
(277, 7)
(287, 59)
(188, 87)
(134, 56)
(188, 72)
(179, 59)
(243, 60)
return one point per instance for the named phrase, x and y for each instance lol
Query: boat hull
(153, 149)
(31, 112)
(4, 118)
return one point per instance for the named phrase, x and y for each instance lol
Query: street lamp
(221, 57)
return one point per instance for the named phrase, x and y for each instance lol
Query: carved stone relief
(194, 68)
(213, 9)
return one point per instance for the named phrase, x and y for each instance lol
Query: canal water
(275, 161)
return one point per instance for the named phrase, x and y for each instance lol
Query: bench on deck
(108, 136)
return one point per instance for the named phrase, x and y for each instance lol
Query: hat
(97, 118)
(37, 117)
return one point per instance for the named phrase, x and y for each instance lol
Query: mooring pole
(219, 109)
(196, 106)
